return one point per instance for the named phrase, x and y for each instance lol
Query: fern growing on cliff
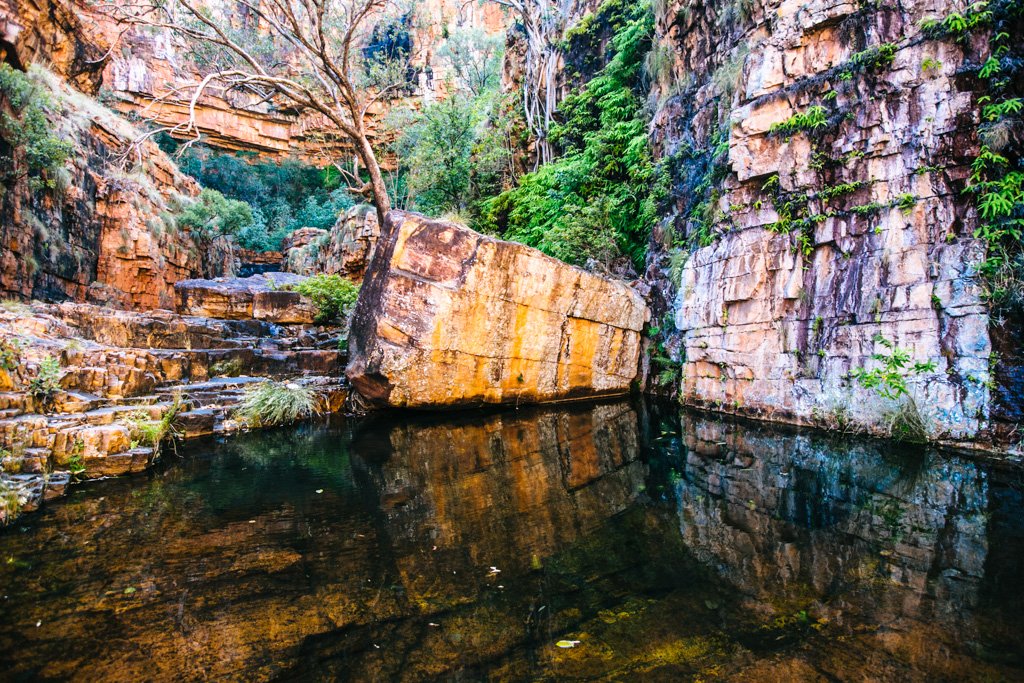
(997, 173)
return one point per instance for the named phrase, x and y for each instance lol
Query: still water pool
(619, 541)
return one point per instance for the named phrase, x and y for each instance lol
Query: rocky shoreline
(114, 376)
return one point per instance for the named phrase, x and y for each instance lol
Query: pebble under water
(621, 541)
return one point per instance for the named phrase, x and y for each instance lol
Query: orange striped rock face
(450, 317)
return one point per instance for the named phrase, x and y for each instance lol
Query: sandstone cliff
(818, 153)
(106, 232)
(135, 68)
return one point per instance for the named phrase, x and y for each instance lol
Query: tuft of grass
(905, 423)
(658, 64)
(10, 501)
(14, 306)
(274, 403)
(144, 431)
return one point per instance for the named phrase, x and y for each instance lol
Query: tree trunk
(378, 187)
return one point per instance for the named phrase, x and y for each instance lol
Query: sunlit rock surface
(108, 237)
(115, 368)
(447, 316)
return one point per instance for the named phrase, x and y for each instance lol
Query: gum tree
(305, 55)
(545, 23)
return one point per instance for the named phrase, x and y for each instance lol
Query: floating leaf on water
(567, 643)
(129, 590)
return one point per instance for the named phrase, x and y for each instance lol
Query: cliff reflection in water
(412, 547)
(888, 546)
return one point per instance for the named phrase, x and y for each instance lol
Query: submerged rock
(450, 317)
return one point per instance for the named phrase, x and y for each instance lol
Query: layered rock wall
(136, 69)
(844, 224)
(345, 250)
(104, 234)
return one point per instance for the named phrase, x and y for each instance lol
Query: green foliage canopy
(598, 199)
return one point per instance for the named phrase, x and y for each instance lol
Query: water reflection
(887, 547)
(430, 547)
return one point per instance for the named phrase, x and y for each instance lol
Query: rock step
(166, 330)
(42, 450)
(77, 402)
(215, 384)
(259, 361)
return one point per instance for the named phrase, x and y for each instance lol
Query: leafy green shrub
(10, 354)
(332, 295)
(889, 381)
(37, 154)
(437, 151)
(214, 214)
(76, 465)
(272, 403)
(282, 195)
(454, 153)
(45, 385)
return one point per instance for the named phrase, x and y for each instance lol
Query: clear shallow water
(671, 548)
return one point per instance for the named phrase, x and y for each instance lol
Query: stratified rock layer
(346, 249)
(109, 237)
(449, 317)
(819, 242)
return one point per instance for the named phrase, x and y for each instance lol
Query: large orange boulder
(447, 317)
